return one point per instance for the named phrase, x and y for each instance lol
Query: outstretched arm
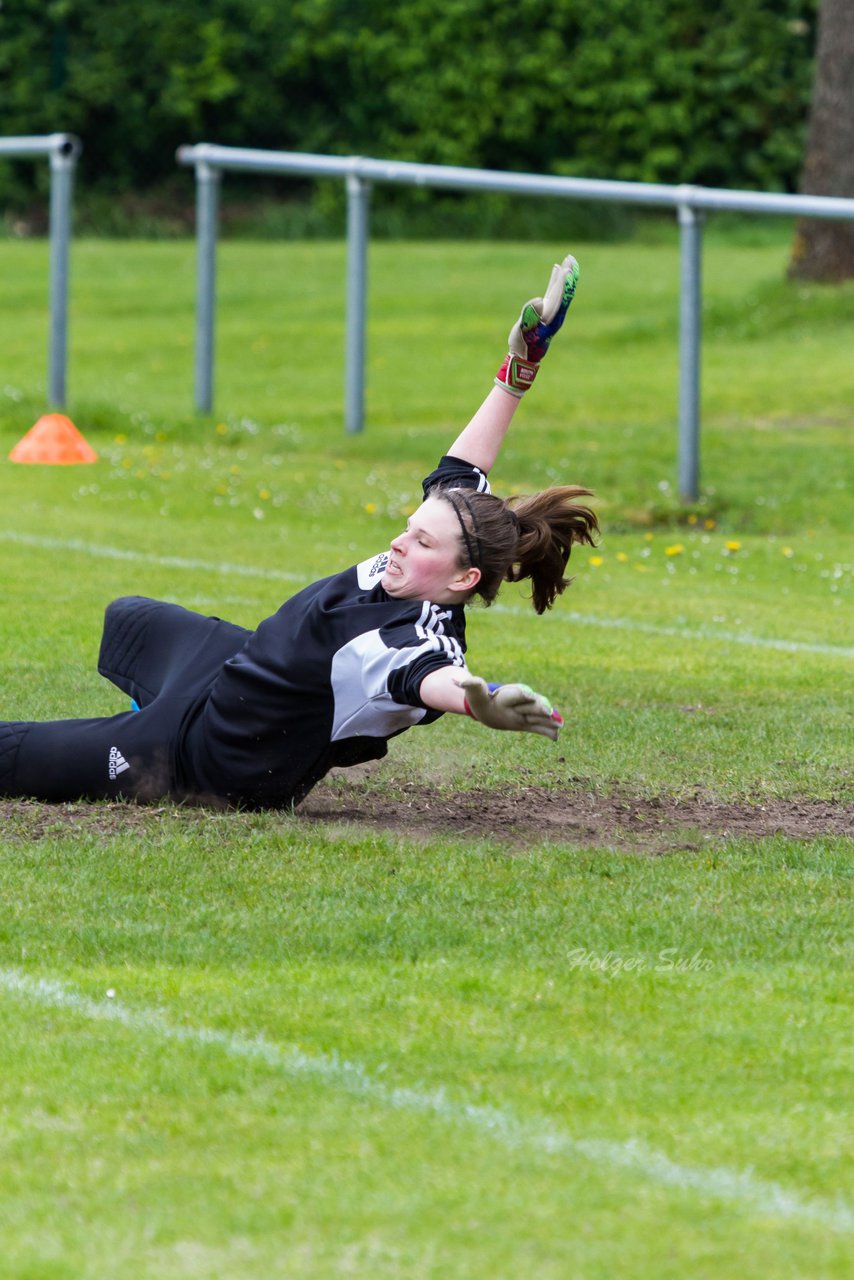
(480, 441)
(504, 706)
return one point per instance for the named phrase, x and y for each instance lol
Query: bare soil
(533, 815)
(518, 817)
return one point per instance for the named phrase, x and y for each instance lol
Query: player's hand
(510, 706)
(540, 320)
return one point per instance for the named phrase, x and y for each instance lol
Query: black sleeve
(405, 682)
(456, 471)
(436, 640)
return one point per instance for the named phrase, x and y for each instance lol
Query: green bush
(664, 91)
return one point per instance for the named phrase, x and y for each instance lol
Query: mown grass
(696, 1005)
(685, 1006)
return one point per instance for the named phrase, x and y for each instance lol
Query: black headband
(474, 563)
(475, 528)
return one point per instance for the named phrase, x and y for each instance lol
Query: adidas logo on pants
(117, 763)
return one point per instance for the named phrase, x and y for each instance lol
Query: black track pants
(164, 657)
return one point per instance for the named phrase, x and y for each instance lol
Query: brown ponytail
(549, 523)
(518, 538)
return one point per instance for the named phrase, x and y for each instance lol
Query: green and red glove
(533, 331)
(510, 706)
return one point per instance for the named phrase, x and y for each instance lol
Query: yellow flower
(788, 552)
(648, 537)
(692, 519)
(733, 546)
(263, 494)
(597, 560)
(622, 557)
(675, 550)
(370, 507)
(709, 524)
(221, 428)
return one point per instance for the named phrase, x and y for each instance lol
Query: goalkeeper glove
(531, 334)
(510, 706)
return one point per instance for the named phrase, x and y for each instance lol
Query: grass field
(249, 1046)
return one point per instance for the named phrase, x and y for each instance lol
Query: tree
(824, 250)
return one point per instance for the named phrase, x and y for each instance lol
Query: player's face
(424, 560)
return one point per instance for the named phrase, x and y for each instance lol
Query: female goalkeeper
(256, 718)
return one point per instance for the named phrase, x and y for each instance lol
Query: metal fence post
(358, 216)
(207, 212)
(690, 324)
(692, 203)
(62, 163)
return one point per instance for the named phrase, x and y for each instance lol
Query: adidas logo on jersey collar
(116, 763)
(370, 570)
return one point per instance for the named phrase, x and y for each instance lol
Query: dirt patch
(533, 814)
(519, 817)
(34, 820)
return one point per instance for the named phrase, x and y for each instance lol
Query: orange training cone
(54, 440)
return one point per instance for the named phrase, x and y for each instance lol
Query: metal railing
(62, 150)
(690, 203)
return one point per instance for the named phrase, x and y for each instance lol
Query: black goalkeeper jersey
(255, 718)
(325, 681)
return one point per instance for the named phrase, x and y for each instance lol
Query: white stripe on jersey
(359, 678)
(430, 627)
(431, 619)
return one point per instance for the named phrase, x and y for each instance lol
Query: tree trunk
(824, 250)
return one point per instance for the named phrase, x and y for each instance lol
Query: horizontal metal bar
(449, 176)
(246, 159)
(65, 144)
(710, 198)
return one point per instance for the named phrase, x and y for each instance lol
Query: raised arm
(480, 440)
(450, 688)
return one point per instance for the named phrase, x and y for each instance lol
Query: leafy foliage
(666, 91)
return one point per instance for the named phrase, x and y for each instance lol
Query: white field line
(227, 569)
(684, 633)
(103, 552)
(500, 1124)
